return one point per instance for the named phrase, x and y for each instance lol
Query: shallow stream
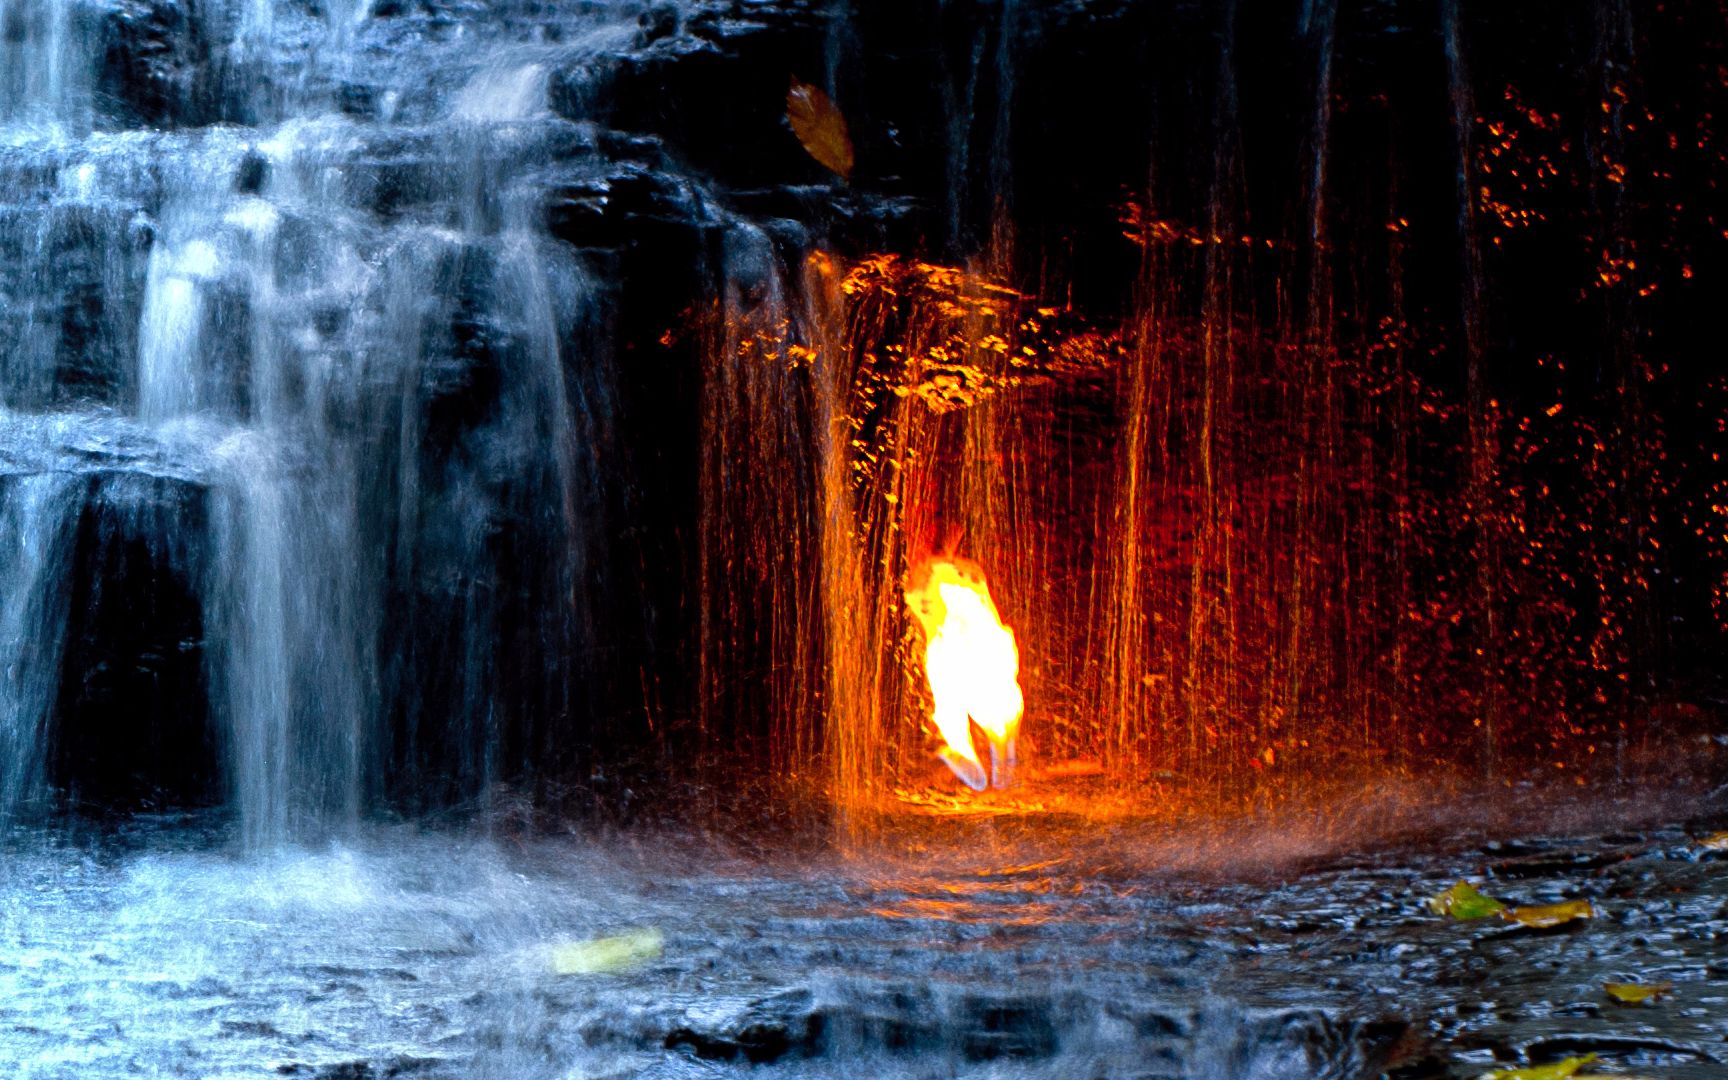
(399, 951)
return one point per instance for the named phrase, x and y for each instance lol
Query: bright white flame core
(972, 664)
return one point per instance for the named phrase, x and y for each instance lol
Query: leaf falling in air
(1543, 916)
(1464, 901)
(1716, 841)
(1557, 1071)
(820, 127)
(1636, 993)
(601, 956)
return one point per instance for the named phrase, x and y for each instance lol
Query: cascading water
(1285, 513)
(48, 66)
(347, 328)
(35, 524)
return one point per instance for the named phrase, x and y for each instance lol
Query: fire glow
(972, 665)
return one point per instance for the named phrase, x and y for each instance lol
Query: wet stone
(760, 1032)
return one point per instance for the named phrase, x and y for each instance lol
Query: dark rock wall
(1011, 134)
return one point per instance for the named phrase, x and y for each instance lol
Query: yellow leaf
(1542, 916)
(1556, 1071)
(820, 127)
(1633, 993)
(1716, 841)
(1463, 901)
(600, 956)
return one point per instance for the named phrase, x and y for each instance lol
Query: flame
(972, 665)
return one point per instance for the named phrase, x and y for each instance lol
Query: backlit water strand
(1280, 523)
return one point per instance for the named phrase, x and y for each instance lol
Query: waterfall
(790, 538)
(37, 515)
(46, 65)
(324, 294)
(497, 393)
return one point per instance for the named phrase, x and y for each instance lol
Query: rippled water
(402, 951)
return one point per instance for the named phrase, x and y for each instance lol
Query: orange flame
(973, 666)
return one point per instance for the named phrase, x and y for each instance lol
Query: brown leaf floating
(820, 127)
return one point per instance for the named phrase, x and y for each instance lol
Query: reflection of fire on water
(972, 664)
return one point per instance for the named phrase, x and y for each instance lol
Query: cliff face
(360, 361)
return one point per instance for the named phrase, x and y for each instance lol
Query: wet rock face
(399, 151)
(154, 63)
(352, 236)
(431, 245)
(307, 296)
(74, 274)
(131, 724)
(106, 584)
(915, 1024)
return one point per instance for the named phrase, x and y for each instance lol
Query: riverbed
(161, 949)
